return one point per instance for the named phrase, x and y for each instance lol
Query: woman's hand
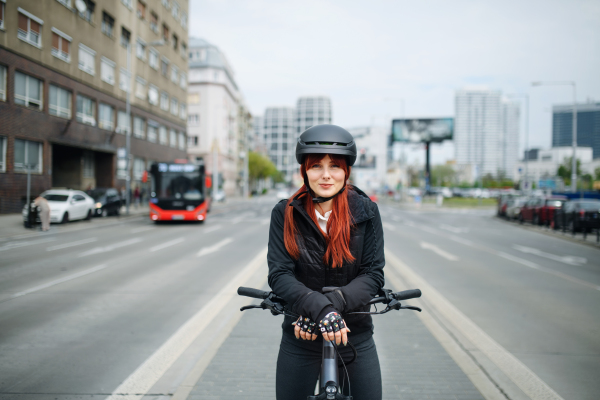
(305, 328)
(333, 327)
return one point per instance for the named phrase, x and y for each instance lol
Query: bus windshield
(177, 181)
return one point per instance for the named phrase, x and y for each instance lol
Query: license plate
(177, 217)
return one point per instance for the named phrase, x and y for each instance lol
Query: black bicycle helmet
(326, 139)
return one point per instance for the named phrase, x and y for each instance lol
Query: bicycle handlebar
(407, 294)
(250, 292)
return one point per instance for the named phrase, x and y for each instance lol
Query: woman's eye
(335, 166)
(316, 166)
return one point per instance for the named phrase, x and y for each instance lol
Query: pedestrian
(328, 233)
(136, 196)
(44, 207)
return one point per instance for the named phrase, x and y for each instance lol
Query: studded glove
(332, 322)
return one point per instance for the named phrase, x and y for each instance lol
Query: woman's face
(325, 177)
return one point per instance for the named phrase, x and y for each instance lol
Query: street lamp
(574, 160)
(526, 97)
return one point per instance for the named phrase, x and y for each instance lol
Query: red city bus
(178, 192)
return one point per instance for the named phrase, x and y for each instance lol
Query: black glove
(306, 324)
(337, 299)
(332, 322)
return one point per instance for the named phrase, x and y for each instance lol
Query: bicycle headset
(325, 139)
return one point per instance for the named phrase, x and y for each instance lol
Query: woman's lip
(325, 185)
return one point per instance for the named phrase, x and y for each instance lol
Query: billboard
(421, 130)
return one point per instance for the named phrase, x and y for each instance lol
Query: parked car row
(70, 205)
(555, 212)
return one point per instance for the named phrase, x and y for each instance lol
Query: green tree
(597, 173)
(442, 175)
(564, 170)
(260, 167)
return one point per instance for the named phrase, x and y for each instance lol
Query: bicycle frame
(329, 378)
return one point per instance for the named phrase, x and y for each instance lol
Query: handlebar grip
(250, 292)
(407, 294)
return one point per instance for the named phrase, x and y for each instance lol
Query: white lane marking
(16, 245)
(571, 260)
(112, 247)
(389, 226)
(546, 270)
(438, 251)
(142, 229)
(396, 218)
(461, 240)
(61, 280)
(147, 374)
(212, 228)
(518, 372)
(214, 247)
(410, 223)
(72, 244)
(167, 244)
(428, 229)
(454, 229)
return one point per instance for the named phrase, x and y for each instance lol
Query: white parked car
(67, 205)
(282, 194)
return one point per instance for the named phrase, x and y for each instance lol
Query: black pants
(299, 365)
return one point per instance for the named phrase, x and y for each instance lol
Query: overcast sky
(368, 55)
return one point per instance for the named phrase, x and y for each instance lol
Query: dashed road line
(212, 228)
(438, 251)
(571, 260)
(215, 247)
(112, 247)
(142, 229)
(167, 244)
(72, 244)
(16, 245)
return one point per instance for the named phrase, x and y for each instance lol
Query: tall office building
(213, 101)
(278, 130)
(486, 132)
(588, 126)
(312, 110)
(64, 80)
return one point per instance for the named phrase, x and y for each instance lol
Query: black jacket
(299, 282)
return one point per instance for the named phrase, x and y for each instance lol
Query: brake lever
(249, 307)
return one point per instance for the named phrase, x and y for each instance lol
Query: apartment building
(64, 83)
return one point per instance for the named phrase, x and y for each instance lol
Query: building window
(175, 42)
(183, 80)
(127, 3)
(192, 141)
(141, 10)
(107, 70)
(138, 127)
(182, 111)
(165, 32)
(28, 155)
(61, 44)
(86, 112)
(87, 59)
(153, 59)
(164, 101)
(88, 164)
(138, 168)
(140, 49)
(175, 10)
(108, 24)
(153, 95)
(174, 74)
(2, 14)
(123, 123)
(154, 22)
(2, 83)
(162, 135)
(182, 140)
(193, 119)
(88, 14)
(106, 118)
(172, 138)
(165, 3)
(152, 131)
(183, 20)
(140, 88)
(3, 143)
(194, 98)
(174, 106)
(164, 66)
(125, 37)
(183, 50)
(28, 91)
(124, 80)
(60, 102)
(30, 28)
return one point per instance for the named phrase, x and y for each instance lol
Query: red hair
(338, 224)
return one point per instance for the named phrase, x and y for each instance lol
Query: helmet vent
(325, 144)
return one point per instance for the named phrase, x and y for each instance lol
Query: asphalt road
(81, 312)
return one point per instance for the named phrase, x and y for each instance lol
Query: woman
(327, 234)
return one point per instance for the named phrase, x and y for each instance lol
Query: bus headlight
(154, 217)
(200, 217)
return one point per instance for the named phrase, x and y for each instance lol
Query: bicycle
(328, 380)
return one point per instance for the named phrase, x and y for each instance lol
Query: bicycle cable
(335, 346)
